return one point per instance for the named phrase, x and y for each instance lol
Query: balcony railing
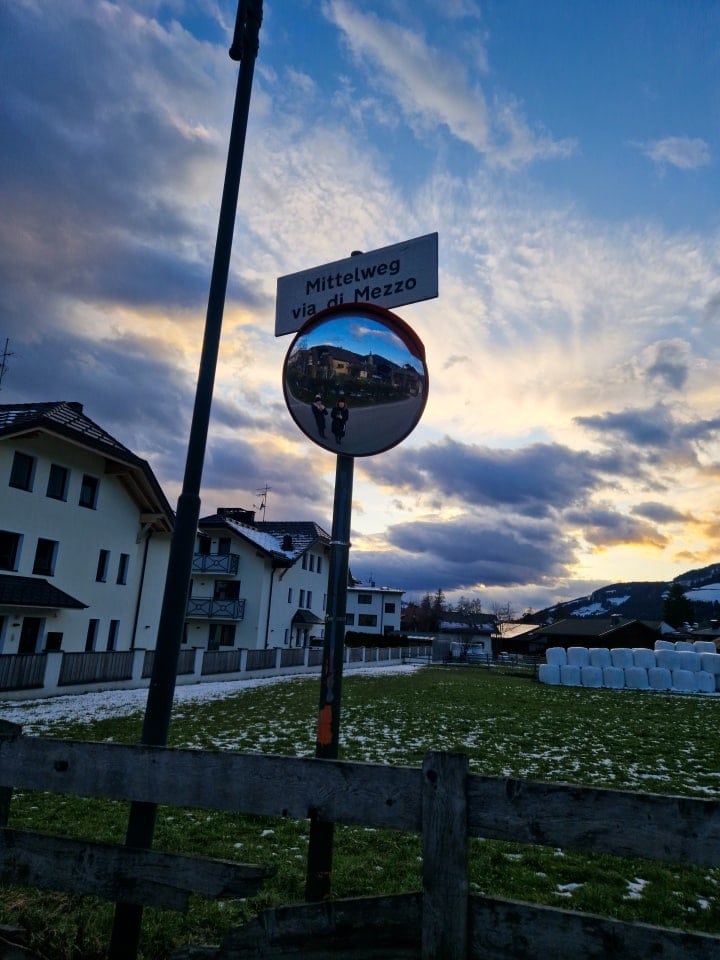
(207, 608)
(222, 563)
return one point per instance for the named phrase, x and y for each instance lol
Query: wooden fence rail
(442, 801)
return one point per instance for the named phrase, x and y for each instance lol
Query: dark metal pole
(320, 848)
(141, 823)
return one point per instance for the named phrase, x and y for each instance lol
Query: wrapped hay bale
(591, 676)
(642, 657)
(684, 681)
(670, 659)
(578, 656)
(683, 645)
(689, 660)
(556, 656)
(622, 657)
(600, 657)
(613, 678)
(710, 662)
(570, 675)
(636, 678)
(704, 646)
(549, 673)
(659, 678)
(664, 644)
(705, 682)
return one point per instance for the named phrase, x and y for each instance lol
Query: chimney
(237, 513)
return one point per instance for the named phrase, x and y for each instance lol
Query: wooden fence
(442, 801)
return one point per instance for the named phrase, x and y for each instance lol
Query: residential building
(372, 609)
(84, 535)
(257, 584)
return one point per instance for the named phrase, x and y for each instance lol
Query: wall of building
(373, 609)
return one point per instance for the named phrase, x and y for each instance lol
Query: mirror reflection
(355, 380)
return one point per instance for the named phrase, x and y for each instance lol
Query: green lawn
(508, 726)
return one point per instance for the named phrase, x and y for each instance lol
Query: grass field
(508, 726)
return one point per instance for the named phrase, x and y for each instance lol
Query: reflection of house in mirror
(367, 376)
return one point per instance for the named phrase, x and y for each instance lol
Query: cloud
(684, 153)
(659, 512)
(532, 480)
(468, 553)
(603, 527)
(668, 363)
(432, 87)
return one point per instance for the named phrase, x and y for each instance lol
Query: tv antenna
(4, 360)
(263, 500)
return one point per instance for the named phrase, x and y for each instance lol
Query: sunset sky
(567, 156)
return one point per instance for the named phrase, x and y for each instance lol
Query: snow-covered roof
(286, 540)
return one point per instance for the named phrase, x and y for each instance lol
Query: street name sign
(388, 277)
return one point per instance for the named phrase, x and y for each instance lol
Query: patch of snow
(635, 889)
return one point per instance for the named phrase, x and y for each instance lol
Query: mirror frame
(391, 322)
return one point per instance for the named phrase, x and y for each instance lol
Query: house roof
(588, 627)
(306, 616)
(66, 419)
(34, 592)
(284, 541)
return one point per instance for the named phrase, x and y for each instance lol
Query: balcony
(207, 608)
(220, 563)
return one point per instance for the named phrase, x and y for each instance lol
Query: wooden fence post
(8, 731)
(445, 856)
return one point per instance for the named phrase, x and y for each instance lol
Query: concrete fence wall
(56, 674)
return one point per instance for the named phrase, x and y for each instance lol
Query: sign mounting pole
(141, 822)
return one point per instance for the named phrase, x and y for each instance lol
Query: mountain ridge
(640, 599)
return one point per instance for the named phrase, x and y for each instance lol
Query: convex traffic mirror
(355, 379)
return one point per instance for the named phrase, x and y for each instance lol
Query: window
(224, 545)
(123, 568)
(113, 634)
(221, 635)
(89, 492)
(289, 594)
(319, 564)
(9, 550)
(102, 566)
(287, 636)
(53, 641)
(226, 590)
(23, 471)
(367, 620)
(91, 638)
(57, 486)
(324, 601)
(312, 562)
(309, 599)
(349, 619)
(304, 561)
(301, 601)
(45, 554)
(365, 598)
(389, 608)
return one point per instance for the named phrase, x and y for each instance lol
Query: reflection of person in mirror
(339, 417)
(319, 412)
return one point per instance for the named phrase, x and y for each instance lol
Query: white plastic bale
(600, 657)
(591, 676)
(704, 646)
(685, 681)
(570, 675)
(636, 678)
(642, 657)
(578, 656)
(670, 659)
(549, 673)
(664, 645)
(683, 645)
(705, 682)
(689, 660)
(622, 657)
(556, 656)
(710, 662)
(659, 678)
(614, 678)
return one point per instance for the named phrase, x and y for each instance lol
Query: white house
(257, 584)
(372, 609)
(84, 535)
